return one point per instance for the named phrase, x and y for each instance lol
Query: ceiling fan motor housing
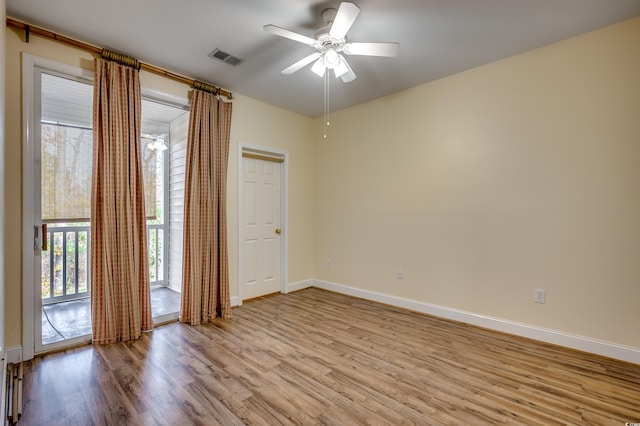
(324, 40)
(329, 15)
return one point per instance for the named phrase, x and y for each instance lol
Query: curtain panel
(205, 271)
(120, 294)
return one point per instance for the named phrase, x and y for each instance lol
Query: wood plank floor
(316, 357)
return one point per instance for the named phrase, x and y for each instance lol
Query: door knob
(278, 231)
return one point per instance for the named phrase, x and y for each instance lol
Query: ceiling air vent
(225, 57)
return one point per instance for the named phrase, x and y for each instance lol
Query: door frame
(284, 211)
(30, 172)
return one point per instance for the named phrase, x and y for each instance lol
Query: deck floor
(66, 320)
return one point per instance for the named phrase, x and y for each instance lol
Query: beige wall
(520, 174)
(258, 123)
(253, 122)
(517, 175)
(2, 85)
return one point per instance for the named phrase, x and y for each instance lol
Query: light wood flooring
(316, 357)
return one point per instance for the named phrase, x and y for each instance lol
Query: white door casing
(262, 228)
(31, 266)
(262, 224)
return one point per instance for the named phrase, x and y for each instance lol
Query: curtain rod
(31, 29)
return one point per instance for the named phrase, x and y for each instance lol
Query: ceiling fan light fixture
(342, 68)
(319, 67)
(331, 58)
(156, 144)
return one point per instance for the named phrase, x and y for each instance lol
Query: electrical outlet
(400, 273)
(328, 263)
(539, 295)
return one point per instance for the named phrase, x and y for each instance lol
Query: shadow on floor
(66, 320)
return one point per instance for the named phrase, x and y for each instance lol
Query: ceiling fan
(330, 42)
(155, 142)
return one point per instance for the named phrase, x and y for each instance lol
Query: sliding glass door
(63, 144)
(58, 157)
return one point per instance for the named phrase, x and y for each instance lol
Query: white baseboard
(235, 301)
(300, 285)
(586, 344)
(13, 355)
(3, 392)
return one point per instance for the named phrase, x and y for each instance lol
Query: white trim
(3, 79)
(163, 319)
(28, 284)
(65, 344)
(582, 343)
(13, 355)
(29, 302)
(163, 97)
(3, 392)
(235, 301)
(300, 285)
(284, 248)
(152, 95)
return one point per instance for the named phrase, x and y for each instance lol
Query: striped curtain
(120, 294)
(205, 271)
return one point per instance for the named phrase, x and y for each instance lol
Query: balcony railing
(65, 266)
(155, 246)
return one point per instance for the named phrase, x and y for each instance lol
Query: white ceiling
(437, 38)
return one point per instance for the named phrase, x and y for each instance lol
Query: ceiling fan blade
(347, 14)
(372, 49)
(301, 63)
(289, 34)
(349, 76)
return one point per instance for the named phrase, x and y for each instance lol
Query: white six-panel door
(262, 230)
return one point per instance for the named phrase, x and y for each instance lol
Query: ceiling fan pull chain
(326, 103)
